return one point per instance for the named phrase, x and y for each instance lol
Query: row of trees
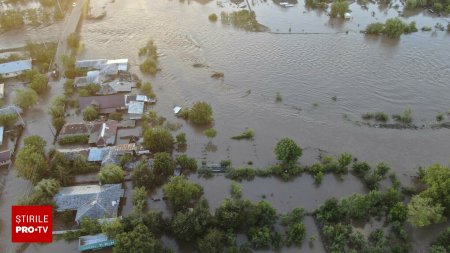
(393, 28)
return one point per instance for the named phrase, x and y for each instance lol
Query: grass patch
(247, 134)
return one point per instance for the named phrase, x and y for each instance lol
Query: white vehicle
(74, 4)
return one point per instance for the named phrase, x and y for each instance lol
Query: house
(100, 133)
(103, 104)
(15, 68)
(94, 242)
(5, 157)
(106, 67)
(2, 90)
(104, 134)
(136, 110)
(90, 201)
(114, 87)
(91, 77)
(71, 154)
(139, 98)
(111, 154)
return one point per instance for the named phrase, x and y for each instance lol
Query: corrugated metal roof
(15, 66)
(97, 154)
(136, 107)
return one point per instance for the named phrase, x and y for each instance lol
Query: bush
(381, 116)
(375, 28)
(181, 139)
(411, 27)
(39, 83)
(201, 114)
(90, 113)
(111, 174)
(158, 139)
(339, 7)
(74, 139)
(210, 133)
(186, 163)
(240, 174)
(26, 98)
(367, 116)
(147, 90)
(212, 17)
(247, 134)
(287, 151)
(394, 27)
(8, 120)
(405, 117)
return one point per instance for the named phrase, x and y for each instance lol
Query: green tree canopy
(139, 240)
(142, 176)
(31, 162)
(163, 166)
(90, 113)
(186, 163)
(158, 140)
(201, 114)
(26, 98)
(394, 27)
(111, 174)
(212, 242)
(39, 83)
(437, 179)
(188, 226)
(182, 193)
(422, 212)
(139, 199)
(287, 151)
(339, 7)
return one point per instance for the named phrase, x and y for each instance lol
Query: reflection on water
(365, 73)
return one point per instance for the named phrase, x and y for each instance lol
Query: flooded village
(227, 126)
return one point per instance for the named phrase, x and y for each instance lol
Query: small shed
(94, 242)
(347, 15)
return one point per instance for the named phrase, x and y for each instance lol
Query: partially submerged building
(100, 133)
(5, 157)
(90, 201)
(94, 242)
(15, 68)
(112, 155)
(103, 104)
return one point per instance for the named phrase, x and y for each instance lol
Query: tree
(265, 214)
(186, 163)
(398, 212)
(48, 187)
(139, 240)
(139, 199)
(142, 176)
(147, 90)
(437, 179)
(112, 229)
(26, 98)
(158, 140)
(181, 139)
(39, 83)
(149, 66)
(210, 133)
(339, 7)
(260, 237)
(422, 212)
(212, 242)
(31, 162)
(181, 193)
(201, 114)
(295, 234)
(188, 226)
(234, 214)
(90, 113)
(73, 40)
(394, 27)
(287, 151)
(111, 174)
(163, 165)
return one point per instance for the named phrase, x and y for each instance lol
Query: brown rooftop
(105, 104)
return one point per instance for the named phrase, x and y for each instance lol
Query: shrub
(73, 40)
(186, 163)
(111, 174)
(90, 113)
(339, 7)
(375, 28)
(26, 98)
(181, 139)
(394, 27)
(147, 90)
(367, 116)
(201, 114)
(75, 139)
(210, 133)
(8, 120)
(411, 27)
(381, 116)
(212, 17)
(405, 117)
(158, 139)
(240, 174)
(247, 134)
(278, 97)
(440, 117)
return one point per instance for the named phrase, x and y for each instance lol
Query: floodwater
(365, 73)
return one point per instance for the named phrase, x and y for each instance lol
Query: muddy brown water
(365, 73)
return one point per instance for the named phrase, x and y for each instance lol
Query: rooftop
(106, 104)
(92, 201)
(15, 66)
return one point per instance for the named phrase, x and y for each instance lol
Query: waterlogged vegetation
(243, 19)
(393, 28)
(150, 64)
(248, 134)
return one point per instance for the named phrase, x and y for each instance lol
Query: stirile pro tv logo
(31, 224)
